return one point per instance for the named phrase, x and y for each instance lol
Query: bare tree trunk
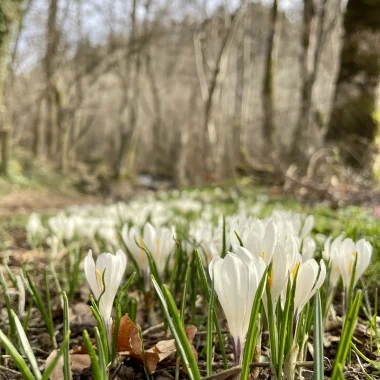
(354, 117)
(157, 121)
(130, 99)
(268, 127)
(10, 11)
(50, 58)
(208, 89)
(37, 132)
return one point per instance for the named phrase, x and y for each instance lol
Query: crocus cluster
(283, 244)
(104, 277)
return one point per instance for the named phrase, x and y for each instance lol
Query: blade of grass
(49, 370)
(41, 307)
(95, 366)
(26, 346)
(174, 322)
(206, 292)
(66, 329)
(209, 336)
(319, 369)
(17, 358)
(3, 284)
(249, 345)
(101, 352)
(347, 333)
(273, 335)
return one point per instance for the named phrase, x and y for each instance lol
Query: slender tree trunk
(306, 78)
(268, 127)
(130, 102)
(354, 117)
(37, 132)
(50, 58)
(10, 11)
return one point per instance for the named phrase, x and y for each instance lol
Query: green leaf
(101, 352)
(176, 327)
(17, 358)
(66, 347)
(207, 293)
(347, 333)
(49, 370)
(26, 346)
(249, 345)
(319, 369)
(209, 336)
(95, 366)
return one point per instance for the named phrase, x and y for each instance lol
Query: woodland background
(190, 91)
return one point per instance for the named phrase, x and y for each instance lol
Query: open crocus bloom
(284, 263)
(130, 236)
(349, 252)
(331, 254)
(105, 276)
(257, 237)
(236, 278)
(308, 282)
(308, 248)
(160, 242)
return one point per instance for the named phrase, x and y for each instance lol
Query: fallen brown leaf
(128, 338)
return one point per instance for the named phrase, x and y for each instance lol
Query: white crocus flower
(307, 283)
(34, 229)
(257, 237)
(308, 248)
(308, 226)
(160, 243)
(330, 254)
(104, 278)
(284, 263)
(349, 252)
(130, 236)
(236, 278)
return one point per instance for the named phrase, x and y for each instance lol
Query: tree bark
(354, 117)
(309, 60)
(268, 127)
(130, 99)
(10, 11)
(50, 60)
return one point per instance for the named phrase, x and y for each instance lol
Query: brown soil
(23, 202)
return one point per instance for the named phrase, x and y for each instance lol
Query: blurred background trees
(190, 91)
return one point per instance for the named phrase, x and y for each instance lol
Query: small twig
(153, 328)
(12, 371)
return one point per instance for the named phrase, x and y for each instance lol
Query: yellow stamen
(158, 246)
(100, 279)
(262, 254)
(354, 254)
(270, 282)
(142, 252)
(295, 270)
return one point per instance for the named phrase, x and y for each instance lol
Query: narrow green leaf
(249, 345)
(17, 358)
(209, 336)
(101, 352)
(174, 322)
(347, 333)
(26, 346)
(95, 366)
(49, 370)
(319, 369)
(207, 293)
(66, 347)
(273, 334)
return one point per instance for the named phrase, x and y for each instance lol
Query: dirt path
(23, 202)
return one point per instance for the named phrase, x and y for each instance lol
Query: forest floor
(17, 205)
